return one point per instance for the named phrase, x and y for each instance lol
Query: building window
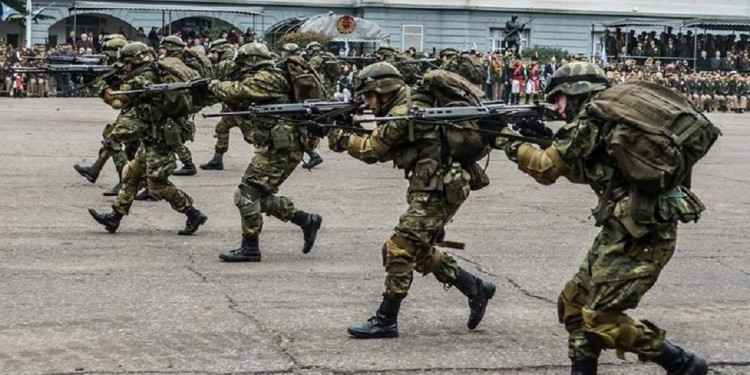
(413, 36)
(496, 39)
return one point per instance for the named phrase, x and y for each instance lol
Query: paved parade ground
(77, 300)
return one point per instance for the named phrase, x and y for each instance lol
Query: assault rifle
(313, 109)
(63, 69)
(527, 119)
(358, 59)
(164, 87)
(79, 59)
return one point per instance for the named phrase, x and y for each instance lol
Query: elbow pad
(545, 166)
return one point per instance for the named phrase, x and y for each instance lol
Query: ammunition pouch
(456, 184)
(172, 134)
(426, 176)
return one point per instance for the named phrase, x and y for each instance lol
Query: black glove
(317, 130)
(533, 129)
(200, 88)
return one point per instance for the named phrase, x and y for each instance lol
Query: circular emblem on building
(346, 24)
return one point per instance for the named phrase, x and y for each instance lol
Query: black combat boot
(310, 224)
(144, 195)
(314, 160)
(187, 170)
(111, 221)
(248, 252)
(383, 325)
(112, 192)
(115, 189)
(214, 164)
(195, 219)
(479, 292)
(584, 367)
(679, 362)
(91, 173)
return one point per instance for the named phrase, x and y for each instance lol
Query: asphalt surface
(76, 299)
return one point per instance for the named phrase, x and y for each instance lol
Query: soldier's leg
(42, 87)
(623, 271)
(188, 168)
(133, 173)
(257, 194)
(160, 163)
(731, 102)
(31, 88)
(742, 104)
(108, 148)
(222, 143)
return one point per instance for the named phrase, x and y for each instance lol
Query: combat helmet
(315, 46)
(112, 45)
(220, 47)
(385, 51)
(173, 44)
(450, 51)
(136, 53)
(576, 78)
(380, 77)
(289, 49)
(253, 55)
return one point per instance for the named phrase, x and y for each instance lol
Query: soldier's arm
(376, 146)
(565, 157)
(262, 87)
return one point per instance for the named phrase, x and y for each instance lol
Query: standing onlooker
(249, 36)
(85, 42)
(496, 75)
(154, 38)
(72, 40)
(140, 36)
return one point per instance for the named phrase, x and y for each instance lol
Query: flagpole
(28, 23)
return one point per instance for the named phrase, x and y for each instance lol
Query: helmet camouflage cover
(576, 78)
(254, 55)
(172, 43)
(136, 53)
(381, 78)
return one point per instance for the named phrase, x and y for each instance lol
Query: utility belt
(280, 136)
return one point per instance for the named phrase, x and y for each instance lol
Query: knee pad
(245, 202)
(612, 330)
(569, 304)
(399, 258)
(129, 176)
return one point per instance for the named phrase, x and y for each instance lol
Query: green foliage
(301, 39)
(544, 53)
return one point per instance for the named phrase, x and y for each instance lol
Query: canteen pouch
(456, 184)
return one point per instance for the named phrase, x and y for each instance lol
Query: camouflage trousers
(412, 245)
(223, 128)
(613, 278)
(155, 163)
(188, 135)
(256, 194)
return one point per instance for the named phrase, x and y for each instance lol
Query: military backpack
(452, 90)
(305, 81)
(177, 103)
(653, 133)
(468, 67)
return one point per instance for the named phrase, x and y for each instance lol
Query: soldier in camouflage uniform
(626, 257)
(173, 46)
(226, 69)
(410, 70)
(120, 150)
(291, 50)
(278, 150)
(419, 150)
(742, 91)
(141, 118)
(314, 55)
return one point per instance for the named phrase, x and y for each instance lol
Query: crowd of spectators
(711, 53)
